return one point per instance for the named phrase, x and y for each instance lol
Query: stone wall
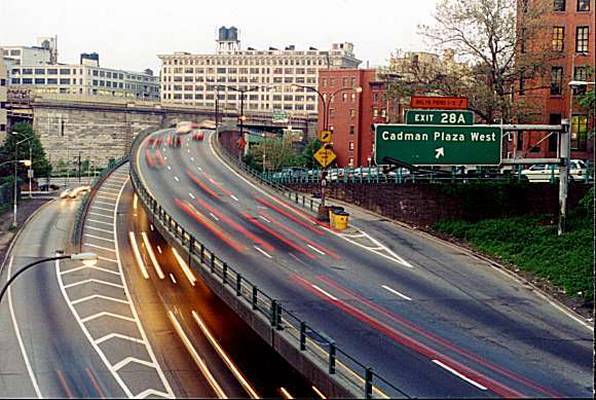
(423, 204)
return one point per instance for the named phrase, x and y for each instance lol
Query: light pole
(263, 145)
(15, 194)
(30, 161)
(326, 104)
(92, 257)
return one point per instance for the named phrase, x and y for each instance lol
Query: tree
(307, 156)
(278, 153)
(20, 131)
(501, 43)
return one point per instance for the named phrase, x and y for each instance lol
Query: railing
(77, 231)
(297, 331)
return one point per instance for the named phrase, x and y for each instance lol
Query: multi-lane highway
(430, 318)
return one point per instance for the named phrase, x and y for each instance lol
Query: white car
(550, 172)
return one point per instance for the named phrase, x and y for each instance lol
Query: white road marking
(459, 375)
(199, 168)
(103, 202)
(262, 252)
(315, 249)
(185, 268)
(86, 267)
(192, 159)
(192, 196)
(135, 201)
(135, 250)
(332, 297)
(151, 227)
(177, 179)
(213, 216)
(99, 247)
(264, 219)
(106, 314)
(97, 296)
(97, 229)
(99, 215)
(318, 392)
(159, 249)
(92, 280)
(128, 360)
(234, 197)
(99, 237)
(403, 296)
(172, 278)
(17, 332)
(152, 256)
(99, 222)
(107, 259)
(169, 168)
(119, 336)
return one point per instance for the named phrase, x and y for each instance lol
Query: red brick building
(570, 32)
(352, 113)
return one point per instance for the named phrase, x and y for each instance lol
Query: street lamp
(263, 145)
(15, 198)
(30, 162)
(85, 257)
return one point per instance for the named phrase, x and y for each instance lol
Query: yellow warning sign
(324, 156)
(325, 136)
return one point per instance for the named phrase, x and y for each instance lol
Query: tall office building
(267, 76)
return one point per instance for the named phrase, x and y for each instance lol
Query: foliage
(587, 202)
(278, 153)
(41, 166)
(487, 35)
(531, 243)
(306, 158)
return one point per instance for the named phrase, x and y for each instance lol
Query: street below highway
(429, 318)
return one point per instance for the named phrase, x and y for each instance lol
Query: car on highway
(48, 187)
(174, 141)
(198, 135)
(550, 172)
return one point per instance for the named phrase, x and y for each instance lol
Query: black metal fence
(298, 332)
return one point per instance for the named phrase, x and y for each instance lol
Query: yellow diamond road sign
(324, 156)
(325, 136)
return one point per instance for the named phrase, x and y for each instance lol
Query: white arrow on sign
(440, 152)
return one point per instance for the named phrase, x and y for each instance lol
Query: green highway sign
(439, 117)
(438, 144)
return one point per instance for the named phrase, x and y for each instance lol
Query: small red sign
(440, 103)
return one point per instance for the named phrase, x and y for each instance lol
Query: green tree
(20, 131)
(306, 158)
(278, 153)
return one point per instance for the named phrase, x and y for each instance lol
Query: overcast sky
(129, 34)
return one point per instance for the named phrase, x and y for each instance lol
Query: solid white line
(176, 179)
(286, 395)
(135, 201)
(332, 297)
(459, 375)
(103, 202)
(99, 237)
(92, 280)
(97, 296)
(99, 247)
(172, 278)
(262, 252)
(151, 392)
(85, 267)
(234, 197)
(264, 219)
(213, 216)
(318, 392)
(192, 196)
(19, 338)
(107, 259)
(403, 296)
(128, 360)
(99, 215)
(137, 254)
(152, 256)
(97, 229)
(99, 222)
(196, 357)
(315, 249)
(106, 314)
(119, 336)
(104, 196)
(94, 207)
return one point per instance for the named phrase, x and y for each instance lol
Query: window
(27, 81)
(522, 85)
(556, 81)
(559, 5)
(352, 129)
(54, 81)
(344, 97)
(524, 35)
(40, 81)
(554, 119)
(558, 38)
(583, 5)
(579, 132)
(40, 71)
(64, 71)
(324, 82)
(352, 113)
(351, 146)
(581, 39)
(580, 74)
(2, 82)
(27, 71)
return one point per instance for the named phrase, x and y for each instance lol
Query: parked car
(549, 172)
(48, 187)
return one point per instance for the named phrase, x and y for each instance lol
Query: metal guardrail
(298, 332)
(77, 231)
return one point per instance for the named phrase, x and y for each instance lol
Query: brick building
(357, 104)
(570, 32)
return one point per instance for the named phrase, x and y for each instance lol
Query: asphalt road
(428, 317)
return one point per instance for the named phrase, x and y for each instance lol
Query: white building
(267, 76)
(46, 52)
(3, 87)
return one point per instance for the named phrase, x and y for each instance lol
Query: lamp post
(92, 257)
(15, 194)
(326, 104)
(30, 161)
(263, 145)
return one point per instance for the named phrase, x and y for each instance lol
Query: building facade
(3, 93)
(570, 27)
(266, 76)
(354, 102)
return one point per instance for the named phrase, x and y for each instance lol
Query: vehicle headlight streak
(185, 268)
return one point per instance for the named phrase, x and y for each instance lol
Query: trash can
(341, 220)
(333, 210)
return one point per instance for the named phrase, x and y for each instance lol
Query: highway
(428, 317)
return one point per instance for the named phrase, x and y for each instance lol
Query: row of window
(234, 71)
(79, 71)
(226, 88)
(43, 81)
(556, 79)
(187, 99)
(251, 97)
(582, 39)
(245, 60)
(581, 5)
(347, 82)
(242, 79)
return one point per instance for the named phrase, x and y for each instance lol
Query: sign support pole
(564, 175)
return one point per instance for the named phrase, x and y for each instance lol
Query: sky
(128, 34)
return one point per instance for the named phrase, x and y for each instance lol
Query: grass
(531, 243)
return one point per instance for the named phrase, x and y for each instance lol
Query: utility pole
(565, 152)
(79, 162)
(30, 171)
